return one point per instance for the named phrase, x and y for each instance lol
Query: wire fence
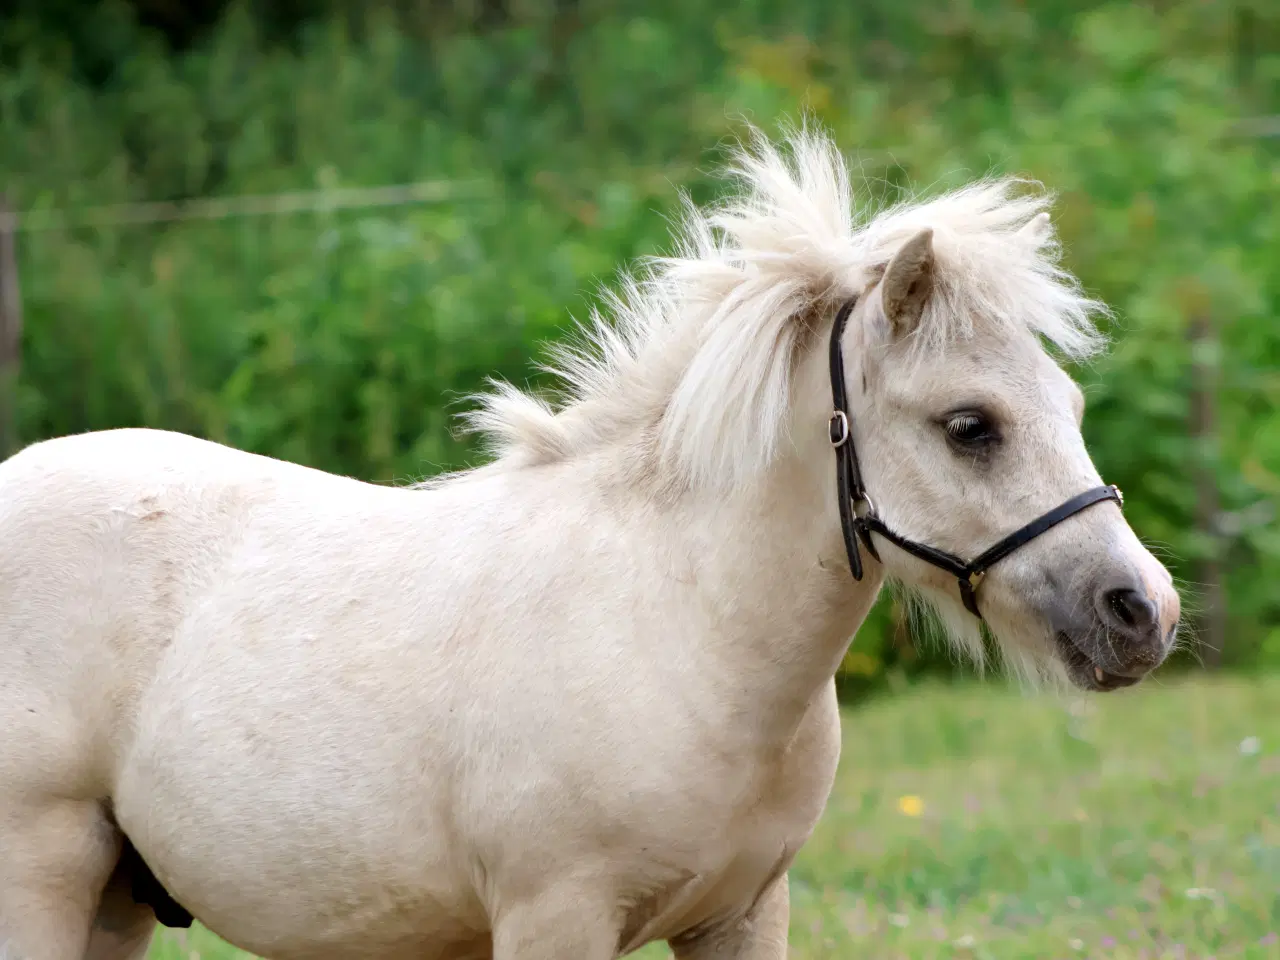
(222, 208)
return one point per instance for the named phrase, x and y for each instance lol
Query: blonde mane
(696, 359)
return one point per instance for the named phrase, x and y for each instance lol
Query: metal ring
(867, 505)
(838, 440)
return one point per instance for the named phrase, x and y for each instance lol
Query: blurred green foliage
(560, 131)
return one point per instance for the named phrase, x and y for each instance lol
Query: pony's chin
(1085, 673)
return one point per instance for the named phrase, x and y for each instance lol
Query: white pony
(579, 699)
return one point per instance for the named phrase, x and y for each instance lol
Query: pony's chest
(716, 885)
(731, 852)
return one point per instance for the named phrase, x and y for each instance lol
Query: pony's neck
(772, 566)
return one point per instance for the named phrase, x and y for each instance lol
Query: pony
(580, 698)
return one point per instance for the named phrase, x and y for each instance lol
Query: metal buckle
(1119, 494)
(864, 507)
(840, 438)
(976, 578)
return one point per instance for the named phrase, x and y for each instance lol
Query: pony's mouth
(1084, 670)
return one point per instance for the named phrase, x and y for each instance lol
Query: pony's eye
(970, 429)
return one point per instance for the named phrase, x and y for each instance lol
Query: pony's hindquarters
(59, 899)
(87, 601)
(229, 661)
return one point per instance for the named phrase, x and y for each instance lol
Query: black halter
(858, 518)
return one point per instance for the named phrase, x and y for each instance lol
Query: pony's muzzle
(1123, 631)
(1138, 638)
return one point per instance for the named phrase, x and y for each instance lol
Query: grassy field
(973, 822)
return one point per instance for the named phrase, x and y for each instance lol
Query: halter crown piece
(858, 520)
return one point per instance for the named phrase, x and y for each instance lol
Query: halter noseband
(858, 520)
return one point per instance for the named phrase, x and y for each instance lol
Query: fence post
(10, 329)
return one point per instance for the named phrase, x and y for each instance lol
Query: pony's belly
(373, 944)
(289, 896)
(345, 916)
(297, 847)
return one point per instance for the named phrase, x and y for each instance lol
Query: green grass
(1145, 824)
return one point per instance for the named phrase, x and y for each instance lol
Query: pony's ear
(907, 283)
(1037, 229)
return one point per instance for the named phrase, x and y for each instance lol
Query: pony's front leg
(570, 920)
(759, 935)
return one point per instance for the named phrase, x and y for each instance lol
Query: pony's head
(968, 432)
(715, 369)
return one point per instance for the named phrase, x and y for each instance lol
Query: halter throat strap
(858, 519)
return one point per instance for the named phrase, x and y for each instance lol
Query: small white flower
(1075, 943)
(965, 941)
(899, 919)
(1250, 745)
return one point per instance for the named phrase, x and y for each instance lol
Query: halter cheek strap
(858, 520)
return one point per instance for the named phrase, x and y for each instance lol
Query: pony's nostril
(1120, 607)
(1130, 608)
